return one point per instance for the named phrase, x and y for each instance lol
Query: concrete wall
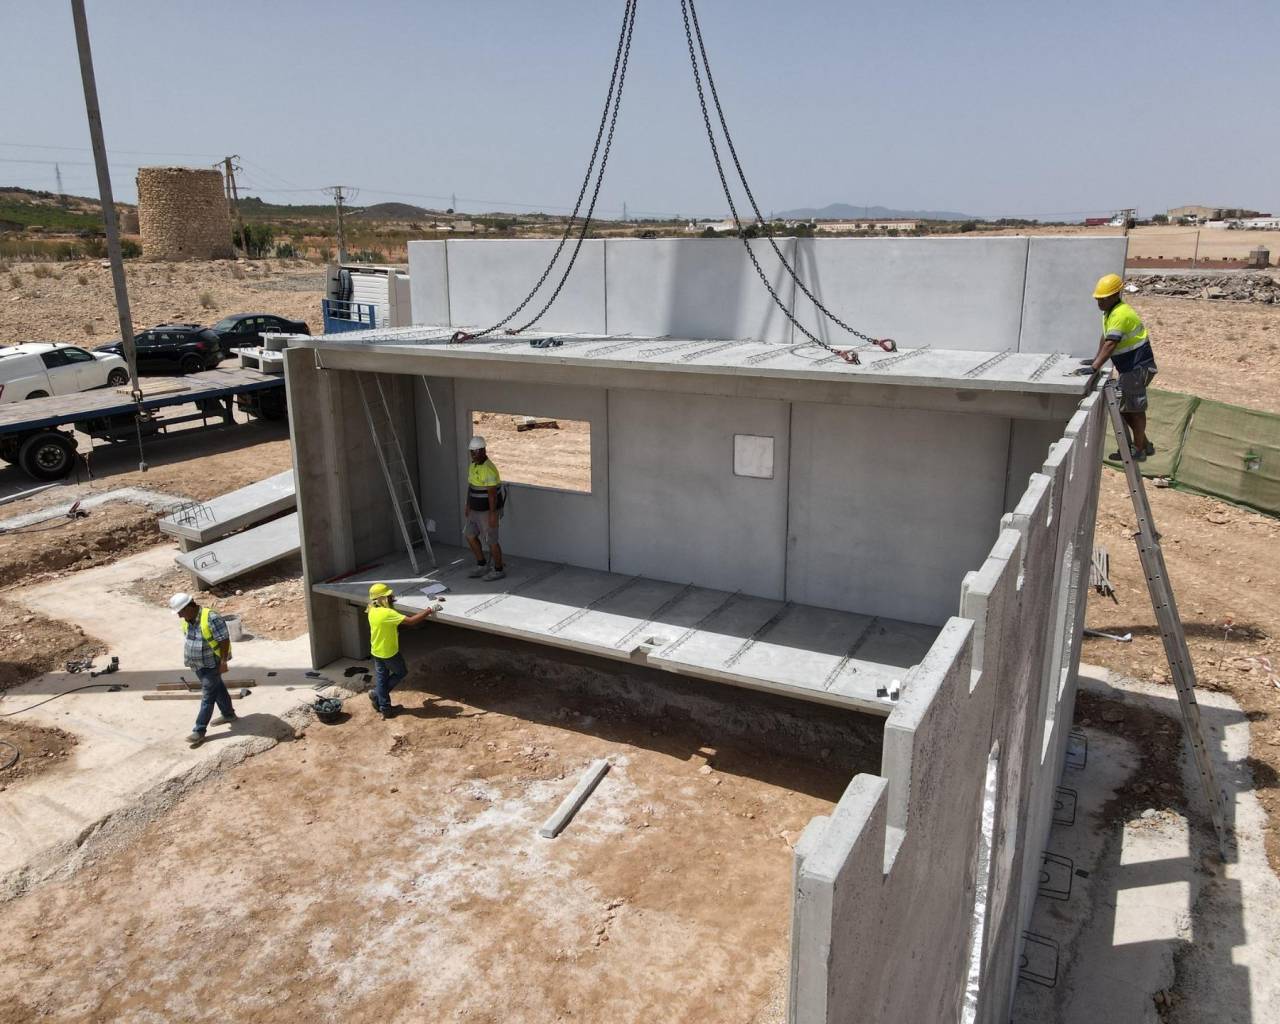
(542, 522)
(889, 508)
(679, 512)
(887, 923)
(440, 484)
(982, 294)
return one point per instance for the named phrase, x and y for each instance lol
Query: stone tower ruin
(183, 214)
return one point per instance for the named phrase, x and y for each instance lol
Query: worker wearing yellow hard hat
(1126, 342)
(384, 644)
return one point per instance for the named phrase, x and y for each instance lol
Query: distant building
(890, 224)
(1204, 214)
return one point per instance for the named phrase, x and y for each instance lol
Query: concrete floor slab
(816, 654)
(234, 556)
(227, 513)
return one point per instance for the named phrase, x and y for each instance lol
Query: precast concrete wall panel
(429, 282)
(678, 511)
(1028, 445)
(545, 522)
(949, 293)
(439, 486)
(697, 288)
(894, 869)
(889, 508)
(1058, 310)
(488, 279)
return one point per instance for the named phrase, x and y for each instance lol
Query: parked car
(174, 348)
(40, 369)
(246, 329)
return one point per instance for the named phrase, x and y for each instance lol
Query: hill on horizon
(843, 211)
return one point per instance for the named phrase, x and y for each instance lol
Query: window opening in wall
(541, 451)
(753, 456)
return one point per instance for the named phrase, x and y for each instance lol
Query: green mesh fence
(1213, 448)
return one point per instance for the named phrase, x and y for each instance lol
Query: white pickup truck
(40, 369)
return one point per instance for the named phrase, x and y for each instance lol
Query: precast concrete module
(907, 538)
(183, 214)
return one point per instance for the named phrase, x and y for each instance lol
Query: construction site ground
(371, 869)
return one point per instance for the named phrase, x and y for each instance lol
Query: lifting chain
(887, 344)
(609, 116)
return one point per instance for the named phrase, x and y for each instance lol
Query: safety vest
(206, 632)
(479, 479)
(1122, 325)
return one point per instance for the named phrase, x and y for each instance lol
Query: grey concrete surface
(227, 513)
(1058, 310)
(1151, 910)
(234, 556)
(812, 654)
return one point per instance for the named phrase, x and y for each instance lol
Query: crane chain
(687, 8)
(612, 102)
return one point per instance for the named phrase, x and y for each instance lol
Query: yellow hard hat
(1108, 284)
(379, 590)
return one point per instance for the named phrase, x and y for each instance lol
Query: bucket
(235, 631)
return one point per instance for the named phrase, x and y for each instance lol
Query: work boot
(479, 570)
(389, 711)
(195, 739)
(495, 574)
(1150, 448)
(225, 720)
(1138, 456)
(373, 699)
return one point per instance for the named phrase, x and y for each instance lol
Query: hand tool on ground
(1126, 639)
(112, 666)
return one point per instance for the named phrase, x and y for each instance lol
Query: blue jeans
(387, 674)
(212, 691)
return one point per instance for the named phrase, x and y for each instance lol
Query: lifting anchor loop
(460, 336)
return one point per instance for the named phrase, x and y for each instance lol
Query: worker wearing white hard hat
(486, 497)
(206, 650)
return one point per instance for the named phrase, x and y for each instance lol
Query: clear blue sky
(997, 108)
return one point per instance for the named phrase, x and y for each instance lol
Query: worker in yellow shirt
(1126, 343)
(485, 498)
(384, 644)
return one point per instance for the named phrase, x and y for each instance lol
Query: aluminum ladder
(1171, 631)
(386, 443)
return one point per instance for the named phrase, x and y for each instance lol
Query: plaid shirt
(196, 652)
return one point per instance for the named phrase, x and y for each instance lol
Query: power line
(83, 149)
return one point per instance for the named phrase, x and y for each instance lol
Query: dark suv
(174, 348)
(246, 329)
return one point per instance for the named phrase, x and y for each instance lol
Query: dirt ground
(38, 750)
(76, 303)
(31, 645)
(392, 871)
(269, 601)
(550, 457)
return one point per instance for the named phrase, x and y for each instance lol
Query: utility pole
(624, 211)
(62, 195)
(338, 198)
(233, 197)
(108, 206)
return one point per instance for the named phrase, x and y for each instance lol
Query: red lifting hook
(888, 344)
(849, 356)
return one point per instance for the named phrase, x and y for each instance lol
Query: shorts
(477, 525)
(1133, 388)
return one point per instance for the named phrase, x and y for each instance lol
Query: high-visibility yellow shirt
(479, 479)
(384, 631)
(1122, 325)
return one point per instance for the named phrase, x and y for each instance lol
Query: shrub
(87, 328)
(286, 251)
(96, 248)
(257, 240)
(130, 250)
(42, 270)
(206, 300)
(82, 279)
(15, 281)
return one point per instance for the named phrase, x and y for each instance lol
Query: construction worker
(1126, 343)
(206, 649)
(384, 644)
(485, 498)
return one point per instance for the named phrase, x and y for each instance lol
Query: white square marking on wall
(753, 456)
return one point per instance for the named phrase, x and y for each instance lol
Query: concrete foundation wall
(542, 522)
(870, 530)
(679, 512)
(887, 923)
(979, 294)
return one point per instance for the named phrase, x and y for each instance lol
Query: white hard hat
(477, 444)
(180, 601)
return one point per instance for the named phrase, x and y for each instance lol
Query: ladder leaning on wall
(1171, 631)
(395, 471)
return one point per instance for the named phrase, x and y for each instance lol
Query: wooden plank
(569, 805)
(183, 696)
